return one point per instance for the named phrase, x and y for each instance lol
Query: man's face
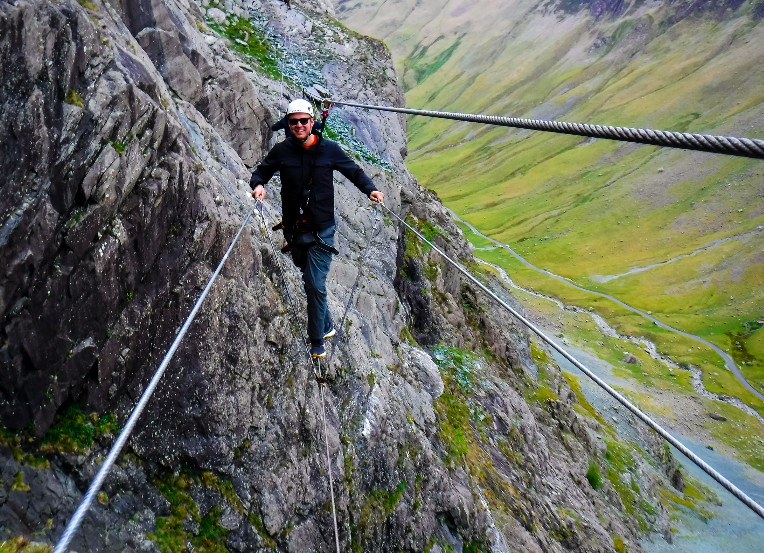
(301, 124)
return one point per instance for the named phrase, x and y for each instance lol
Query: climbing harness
(315, 365)
(95, 486)
(730, 145)
(734, 490)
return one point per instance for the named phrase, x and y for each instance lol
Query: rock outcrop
(129, 132)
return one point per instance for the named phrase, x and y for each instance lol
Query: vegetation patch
(594, 477)
(73, 98)
(376, 508)
(88, 4)
(171, 533)
(454, 432)
(691, 500)
(422, 66)
(542, 392)
(582, 405)
(75, 431)
(21, 544)
(459, 365)
(119, 147)
(338, 130)
(251, 43)
(622, 473)
(13, 441)
(618, 544)
(475, 546)
(415, 246)
(19, 485)
(185, 525)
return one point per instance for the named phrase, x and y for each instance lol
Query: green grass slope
(691, 224)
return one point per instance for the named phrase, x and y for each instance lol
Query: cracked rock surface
(129, 132)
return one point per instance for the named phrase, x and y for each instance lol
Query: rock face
(129, 132)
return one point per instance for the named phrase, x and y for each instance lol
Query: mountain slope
(590, 210)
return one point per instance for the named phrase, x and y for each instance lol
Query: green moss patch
(454, 421)
(73, 98)
(695, 499)
(13, 441)
(541, 392)
(18, 483)
(459, 365)
(184, 525)
(21, 544)
(594, 477)
(252, 43)
(75, 431)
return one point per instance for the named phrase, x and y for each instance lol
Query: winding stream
(646, 345)
(728, 361)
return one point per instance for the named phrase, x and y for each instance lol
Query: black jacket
(312, 168)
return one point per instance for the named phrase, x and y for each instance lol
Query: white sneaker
(330, 334)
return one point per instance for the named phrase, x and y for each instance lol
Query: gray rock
(217, 15)
(131, 131)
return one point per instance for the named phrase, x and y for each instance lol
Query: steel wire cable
(708, 469)
(95, 486)
(730, 145)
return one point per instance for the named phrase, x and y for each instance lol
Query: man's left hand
(377, 196)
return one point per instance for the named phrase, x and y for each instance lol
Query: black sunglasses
(301, 121)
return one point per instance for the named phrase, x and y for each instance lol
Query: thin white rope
(316, 368)
(95, 486)
(329, 470)
(734, 490)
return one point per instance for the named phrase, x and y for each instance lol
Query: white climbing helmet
(300, 106)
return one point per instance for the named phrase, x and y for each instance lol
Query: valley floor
(700, 419)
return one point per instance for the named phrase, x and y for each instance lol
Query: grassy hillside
(593, 210)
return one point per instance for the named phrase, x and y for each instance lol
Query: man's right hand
(259, 192)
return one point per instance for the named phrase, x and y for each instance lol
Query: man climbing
(307, 163)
